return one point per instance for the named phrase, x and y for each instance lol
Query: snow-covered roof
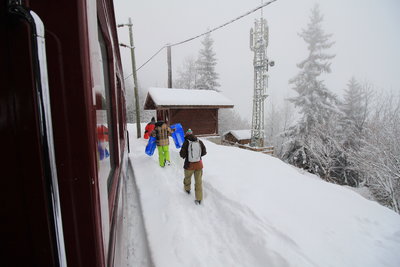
(241, 134)
(172, 97)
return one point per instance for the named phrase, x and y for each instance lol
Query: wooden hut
(193, 108)
(242, 137)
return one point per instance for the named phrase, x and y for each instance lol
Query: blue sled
(178, 135)
(151, 146)
(103, 152)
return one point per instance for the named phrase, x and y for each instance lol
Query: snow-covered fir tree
(187, 74)
(207, 78)
(316, 104)
(354, 111)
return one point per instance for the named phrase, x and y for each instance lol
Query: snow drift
(258, 211)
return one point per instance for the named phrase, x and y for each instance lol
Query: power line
(225, 24)
(207, 32)
(155, 54)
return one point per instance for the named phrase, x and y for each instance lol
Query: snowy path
(258, 211)
(220, 231)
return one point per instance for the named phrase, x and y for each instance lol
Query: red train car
(63, 131)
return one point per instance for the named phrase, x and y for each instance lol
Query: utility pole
(169, 66)
(134, 74)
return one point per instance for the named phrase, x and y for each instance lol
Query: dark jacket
(184, 153)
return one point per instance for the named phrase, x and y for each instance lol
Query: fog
(366, 33)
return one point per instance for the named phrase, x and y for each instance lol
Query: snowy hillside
(257, 211)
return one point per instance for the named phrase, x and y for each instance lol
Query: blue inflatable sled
(151, 146)
(178, 135)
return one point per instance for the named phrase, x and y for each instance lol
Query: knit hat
(189, 131)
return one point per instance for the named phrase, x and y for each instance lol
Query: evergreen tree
(207, 77)
(316, 104)
(187, 75)
(354, 113)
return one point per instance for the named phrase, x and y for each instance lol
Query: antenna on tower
(262, 14)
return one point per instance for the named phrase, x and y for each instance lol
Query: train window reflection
(105, 155)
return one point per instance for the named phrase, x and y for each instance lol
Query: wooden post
(135, 79)
(169, 67)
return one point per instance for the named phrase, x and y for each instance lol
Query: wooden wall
(201, 121)
(229, 137)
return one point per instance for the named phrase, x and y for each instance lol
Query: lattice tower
(258, 44)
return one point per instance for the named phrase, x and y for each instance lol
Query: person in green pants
(162, 132)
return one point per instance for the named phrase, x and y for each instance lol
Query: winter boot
(197, 202)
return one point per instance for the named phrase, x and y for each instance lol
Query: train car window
(105, 150)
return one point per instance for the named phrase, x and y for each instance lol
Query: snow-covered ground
(257, 211)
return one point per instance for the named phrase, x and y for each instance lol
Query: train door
(31, 229)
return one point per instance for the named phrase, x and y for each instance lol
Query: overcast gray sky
(366, 32)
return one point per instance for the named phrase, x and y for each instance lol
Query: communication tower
(258, 44)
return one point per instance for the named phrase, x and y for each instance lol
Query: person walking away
(149, 128)
(192, 150)
(161, 133)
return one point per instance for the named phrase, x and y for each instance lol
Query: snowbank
(258, 211)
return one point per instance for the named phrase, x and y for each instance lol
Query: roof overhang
(214, 101)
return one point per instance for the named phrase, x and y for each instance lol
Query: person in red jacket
(149, 128)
